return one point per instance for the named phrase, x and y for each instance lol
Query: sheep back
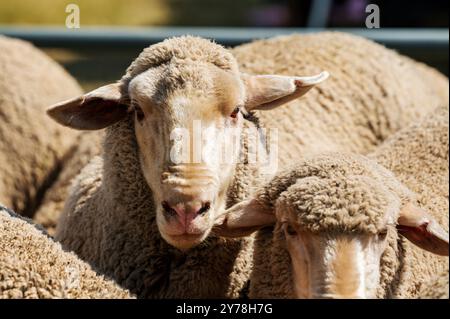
(372, 91)
(31, 144)
(32, 265)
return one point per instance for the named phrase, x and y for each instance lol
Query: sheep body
(371, 93)
(31, 144)
(32, 265)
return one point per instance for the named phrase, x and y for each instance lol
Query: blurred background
(113, 32)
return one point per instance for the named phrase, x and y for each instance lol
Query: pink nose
(185, 212)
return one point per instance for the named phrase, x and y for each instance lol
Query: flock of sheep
(94, 208)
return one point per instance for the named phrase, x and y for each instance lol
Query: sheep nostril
(206, 206)
(167, 209)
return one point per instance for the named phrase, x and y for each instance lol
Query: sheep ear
(423, 230)
(265, 92)
(92, 111)
(243, 219)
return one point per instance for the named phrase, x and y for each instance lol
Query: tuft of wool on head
(182, 48)
(336, 191)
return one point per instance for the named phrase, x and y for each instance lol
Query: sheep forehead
(186, 48)
(322, 165)
(204, 73)
(179, 86)
(341, 202)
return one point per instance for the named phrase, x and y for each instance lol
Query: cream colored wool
(31, 144)
(371, 93)
(436, 288)
(418, 156)
(340, 191)
(32, 265)
(109, 218)
(86, 146)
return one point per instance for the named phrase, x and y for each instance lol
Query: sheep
(31, 145)
(335, 216)
(34, 266)
(437, 288)
(122, 197)
(137, 196)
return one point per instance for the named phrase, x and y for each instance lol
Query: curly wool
(87, 145)
(419, 158)
(182, 48)
(355, 110)
(32, 145)
(354, 195)
(436, 288)
(32, 265)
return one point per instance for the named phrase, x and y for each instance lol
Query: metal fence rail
(103, 53)
(113, 36)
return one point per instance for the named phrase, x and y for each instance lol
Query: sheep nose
(185, 212)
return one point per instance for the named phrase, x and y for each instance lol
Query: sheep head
(188, 100)
(337, 214)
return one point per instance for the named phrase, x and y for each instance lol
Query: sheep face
(334, 266)
(187, 97)
(184, 126)
(336, 231)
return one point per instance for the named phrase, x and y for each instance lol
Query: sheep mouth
(185, 241)
(177, 231)
(180, 236)
(186, 235)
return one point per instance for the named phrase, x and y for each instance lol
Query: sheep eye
(382, 234)
(290, 230)
(235, 112)
(204, 208)
(139, 113)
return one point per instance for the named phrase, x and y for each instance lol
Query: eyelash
(382, 234)
(290, 230)
(139, 113)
